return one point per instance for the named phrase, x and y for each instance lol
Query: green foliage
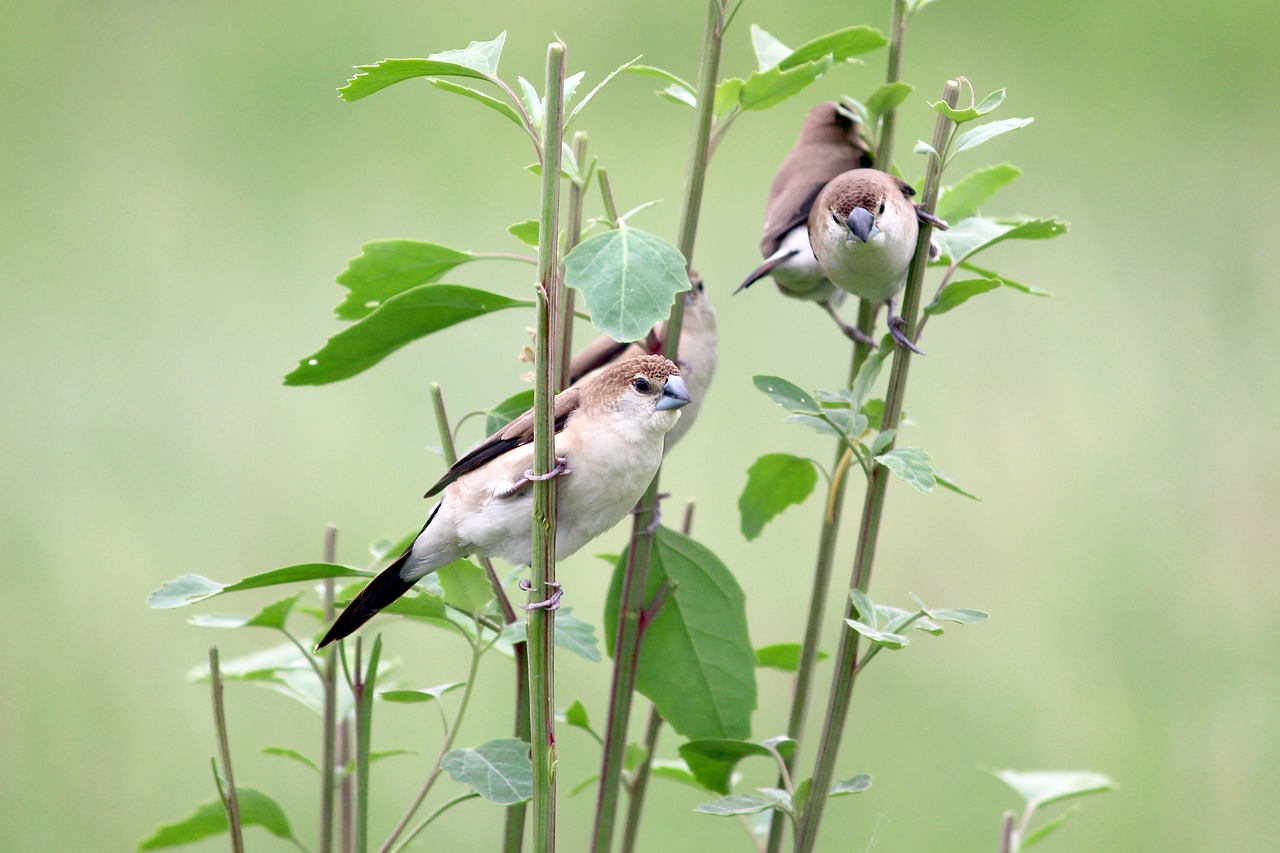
(572, 635)
(712, 761)
(507, 411)
(912, 465)
(696, 665)
(428, 694)
(783, 656)
(500, 770)
(628, 279)
(743, 804)
(190, 589)
(403, 318)
(466, 586)
(210, 818)
(386, 268)
(966, 196)
(1042, 788)
(775, 482)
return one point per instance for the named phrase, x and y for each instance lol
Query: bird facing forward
(829, 145)
(608, 446)
(863, 229)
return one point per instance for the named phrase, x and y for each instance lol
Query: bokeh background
(180, 185)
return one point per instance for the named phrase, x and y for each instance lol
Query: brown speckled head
(647, 374)
(864, 188)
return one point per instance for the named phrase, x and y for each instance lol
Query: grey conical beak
(862, 225)
(674, 395)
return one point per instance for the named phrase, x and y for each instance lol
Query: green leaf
(500, 107)
(675, 770)
(507, 411)
(775, 482)
(257, 666)
(975, 136)
(696, 664)
(764, 89)
(429, 694)
(1043, 831)
(989, 103)
(739, 804)
(573, 114)
(882, 440)
(888, 97)
(1007, 282)
(526, 232)
(817, 423)
(789, 396)
(957, 293)
(947, 483)
(712, 761)
(873, 410)
(634, 756)
(677, 95)
(922, 147)
(726, 97)
(210, 818)
(479, 56)
(500, 770)
(466, 586)
(1040, 788)
(769, 51)
(576, 715)
(190, 589)
(420, 604)
(403, 318)
(977, 234)
(274, 615)
(869, 372)
(385, 268)
(372, 78)
(661, 74)
(969, 194)
(535, 105)
(572, 635)
(852, 785)
(912, 465)
(291, 754)
(888, 639)
(628, 278)
(783, 656)
(840, 45)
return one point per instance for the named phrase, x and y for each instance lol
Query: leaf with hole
(402, 319)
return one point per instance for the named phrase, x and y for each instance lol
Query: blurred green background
(181, 185)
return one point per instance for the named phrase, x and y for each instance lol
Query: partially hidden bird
(696, 354)
(829, 145)
(609, 433)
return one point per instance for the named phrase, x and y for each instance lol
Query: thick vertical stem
(573, 233)
(627, 638)
(366, 683)
(542, 620)
(888, 124)
(873, 507)
(230, 799)
(329, 744)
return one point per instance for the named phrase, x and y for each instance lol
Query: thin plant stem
(368, 681)
(606, 195)
(230, 799)
(627, 638)
(329, 730)
(461, 798)
(888, 123)
(846, 670)
(451, 732)
(640, 779)
(564, 299)
(1007, 832)
(541, 627)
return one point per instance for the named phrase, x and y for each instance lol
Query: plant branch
(846, 659)
(366, 684)
(546, 361)
(329, 731)
(230, 799)
(451, 732)
(627, 639)
(564, 298)
(888, 122)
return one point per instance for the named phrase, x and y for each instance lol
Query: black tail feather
(381, 591)
(764, 269)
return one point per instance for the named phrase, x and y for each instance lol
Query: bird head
(647, 389)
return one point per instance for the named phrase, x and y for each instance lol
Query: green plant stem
(627, 639)
(461, 798)
(329, 731)
(542, 620)
(823, 565)
(1007, 832)
(888, 123)
(846, 658)
(230, 799)
(564, 298)
(366, 683)
(450, 733)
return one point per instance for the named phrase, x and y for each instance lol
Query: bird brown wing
(800, 178)
(515, 434)
(596, 354)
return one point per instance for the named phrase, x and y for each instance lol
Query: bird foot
(529, 476)
(657, 513)
(551, 603)
(896, 327)
(853, 333)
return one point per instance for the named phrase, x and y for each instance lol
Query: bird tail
(380, 592)
(766, 268)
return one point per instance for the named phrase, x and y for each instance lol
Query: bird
(830, 144)
(609, 433)
(696, 355)
(863, 228)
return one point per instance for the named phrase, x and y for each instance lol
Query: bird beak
(862, 225)
(674, 395)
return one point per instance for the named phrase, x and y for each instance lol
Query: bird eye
(640, 384)
(881, 210)
(835, 217)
